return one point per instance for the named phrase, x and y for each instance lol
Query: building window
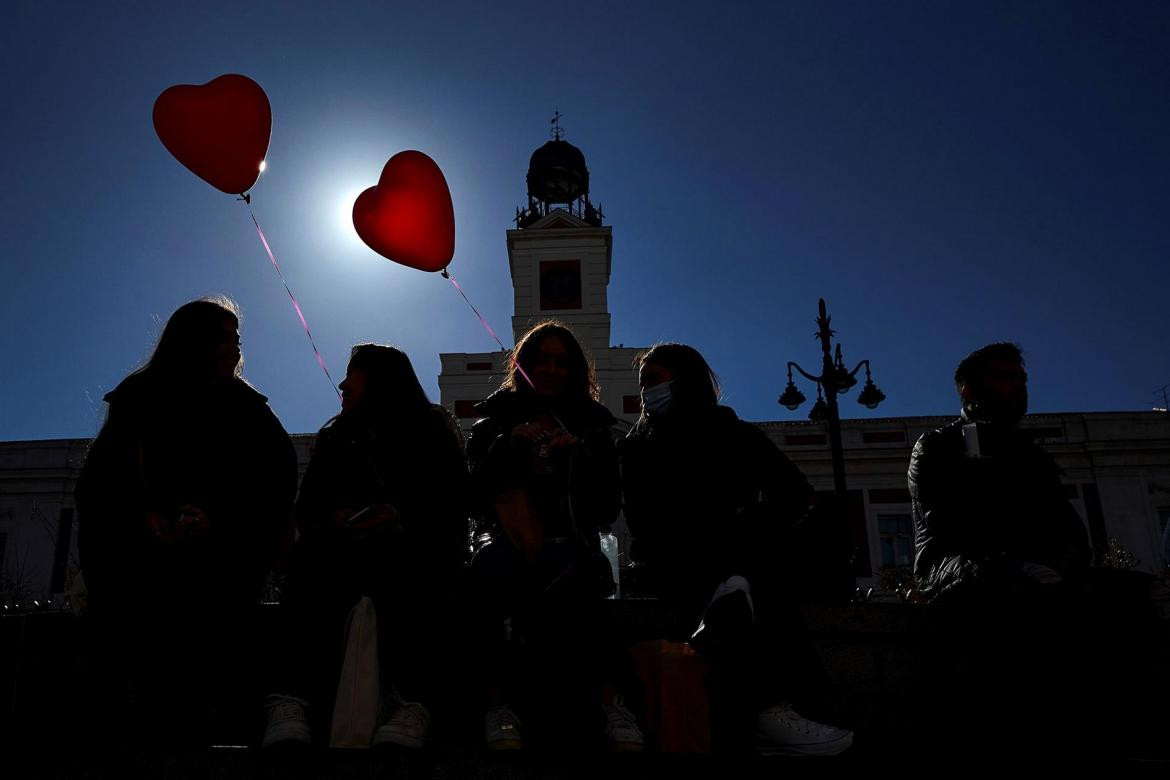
(560, 284)
(802, 439)
(631, 404)
(466, 409)
(484, 366)
(883, 437)
(897, 540)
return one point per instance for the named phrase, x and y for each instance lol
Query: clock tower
(559, 258)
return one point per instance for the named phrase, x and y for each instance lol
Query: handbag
(359, 691)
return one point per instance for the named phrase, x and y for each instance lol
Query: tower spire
(557, 133)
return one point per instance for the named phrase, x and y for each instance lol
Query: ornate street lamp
(834, 378)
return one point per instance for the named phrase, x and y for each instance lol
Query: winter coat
(977, 519)
(574, 491)
(707, 496)
(214, 445)
(415, 465)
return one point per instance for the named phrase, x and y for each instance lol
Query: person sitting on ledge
(184, 503)
(382, 513)
(712, 504)
(1027, 622)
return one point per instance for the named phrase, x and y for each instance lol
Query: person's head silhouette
(675, 377)
(381, 382)
(553, 359)
(201, 341)
(993, 384)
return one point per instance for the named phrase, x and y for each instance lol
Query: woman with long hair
(711, 503)
(544, 480)
(381, 513)
(184, 503)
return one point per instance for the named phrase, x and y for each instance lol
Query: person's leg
(319, 593)
(491, 602)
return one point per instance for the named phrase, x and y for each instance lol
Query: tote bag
(359, 691)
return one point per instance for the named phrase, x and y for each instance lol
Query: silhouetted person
(184, 501)
(545, 478)
(711, 503)
(990, 513)
(382, 513)
(1033, 637)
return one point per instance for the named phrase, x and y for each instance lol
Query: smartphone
(981, 440)
(971, 440)
(359, 516)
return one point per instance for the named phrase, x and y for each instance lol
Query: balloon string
(447, 275)
(297, 306)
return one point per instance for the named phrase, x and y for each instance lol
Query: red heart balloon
(408, 216)
(219, 130)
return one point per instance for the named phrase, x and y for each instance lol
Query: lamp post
(833, 379)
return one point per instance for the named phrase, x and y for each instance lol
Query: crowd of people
(189, 500)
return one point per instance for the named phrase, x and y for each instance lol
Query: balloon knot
(444, 274)
(245, 197)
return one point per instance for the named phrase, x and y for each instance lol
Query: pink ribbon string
(297, 306)
(447, 275)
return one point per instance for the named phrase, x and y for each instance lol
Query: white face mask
(656, 400)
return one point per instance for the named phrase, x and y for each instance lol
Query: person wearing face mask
(184, 504)
(711, 503)
(544, 479)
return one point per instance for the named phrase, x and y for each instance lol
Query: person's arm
(279, 498)
(784, 492)
(488, 454)
(111, 505)
(941, 559)
(1071, 554)
(434, 519)
(312, 509)
(595, 480)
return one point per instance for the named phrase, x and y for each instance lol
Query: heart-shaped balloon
(408, 216)
(219, 130)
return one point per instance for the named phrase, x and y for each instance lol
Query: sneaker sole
(813, 749)
(398, 739)
(292, 738)
(627, 747)
(505, 744)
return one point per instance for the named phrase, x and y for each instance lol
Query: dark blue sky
(945, 174)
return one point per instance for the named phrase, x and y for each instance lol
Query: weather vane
(556, 123)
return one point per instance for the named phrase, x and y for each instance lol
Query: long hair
(581, 383)
(189, 340)
(392, 387)
(695, 384)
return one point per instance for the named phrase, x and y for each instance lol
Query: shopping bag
(359, 691)
(674, 686)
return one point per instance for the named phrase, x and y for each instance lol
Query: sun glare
(345, 216)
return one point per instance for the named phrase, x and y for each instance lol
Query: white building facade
(1116, 464)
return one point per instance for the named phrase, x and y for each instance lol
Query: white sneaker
(781, 730)
(408, 725)
(501, 729)
(286, 721)
(621, 729)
